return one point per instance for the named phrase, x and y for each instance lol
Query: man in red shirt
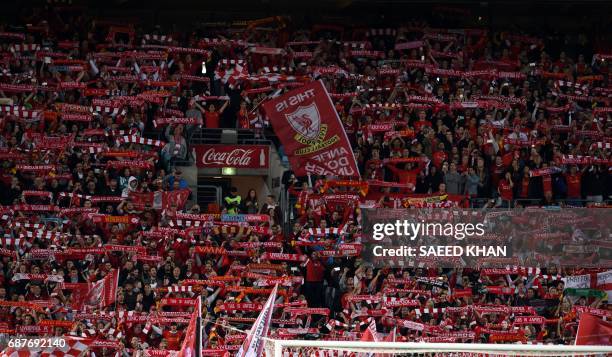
(422, 121)
(173, 337)
(574, 181)
(211, 117)
(313, 284)
(439, 156)
(409, 174)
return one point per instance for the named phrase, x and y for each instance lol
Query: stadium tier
(270, 182)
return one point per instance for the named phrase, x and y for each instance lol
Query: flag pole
(198, 351)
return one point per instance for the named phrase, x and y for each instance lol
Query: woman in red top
(505, 190)
(244, 121)
(212, 116)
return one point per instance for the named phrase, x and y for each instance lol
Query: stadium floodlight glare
(279, 348)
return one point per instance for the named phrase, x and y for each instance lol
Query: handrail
(213, 136)
(284, 203)
(425, 347)
(218, 194)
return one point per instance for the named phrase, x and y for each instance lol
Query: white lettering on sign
(234, 158)
(294, 100)
(334, 162)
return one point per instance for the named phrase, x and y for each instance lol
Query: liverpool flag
(253, 345)
(311, 132)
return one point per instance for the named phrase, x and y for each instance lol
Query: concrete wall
(276, 171)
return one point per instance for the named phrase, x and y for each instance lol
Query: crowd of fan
(88, 186)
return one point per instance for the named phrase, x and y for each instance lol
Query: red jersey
(314, 271)
(473, 130)
(524, 187)
(211, 119)
(173, 339)
(243, 119)
(505, 190)
(142, 336)
(421, 123)
(573, 185)
(497, 173)
(406, 176)
(376, 169)
(438, 158)
(547, 183)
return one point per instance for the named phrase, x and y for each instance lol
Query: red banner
(102, 293)
(308, 126)
(103, 218)
(242, 157)
(160, 199)
(593, 331)
(529, 320)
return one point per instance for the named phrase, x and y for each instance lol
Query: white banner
(253, 345)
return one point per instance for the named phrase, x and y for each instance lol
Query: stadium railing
(228, 136)
(278, 348)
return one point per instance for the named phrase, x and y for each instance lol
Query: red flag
(78, 295)
(370, 333)
(310, 130)
(103, 292)
(188, 348)
(593, 331)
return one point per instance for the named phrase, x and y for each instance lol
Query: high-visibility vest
(234, 203)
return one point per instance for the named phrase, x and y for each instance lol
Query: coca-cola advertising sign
(238, 156)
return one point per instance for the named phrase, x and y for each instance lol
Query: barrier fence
(278, 348)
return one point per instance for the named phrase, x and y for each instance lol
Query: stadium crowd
(95, 114)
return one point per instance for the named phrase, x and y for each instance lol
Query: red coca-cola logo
(235, 158)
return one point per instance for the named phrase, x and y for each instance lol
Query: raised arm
(224, 106)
